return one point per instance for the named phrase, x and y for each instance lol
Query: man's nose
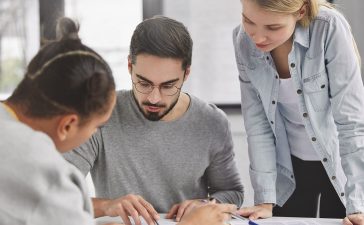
(155, 96)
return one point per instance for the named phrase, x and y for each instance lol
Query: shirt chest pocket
(316, 83)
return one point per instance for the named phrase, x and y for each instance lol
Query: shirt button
(333, 177)
(271, 122)
(325, 160)
(322, 86)
(293, 65)
(267, 57)
(273, 102)
(342, 194)
(292, 176)
(276, 77)
(299, 91)
(305, 115)
(313, 139)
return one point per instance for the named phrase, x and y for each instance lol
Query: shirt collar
(302, 36)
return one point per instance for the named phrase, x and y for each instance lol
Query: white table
(270, 221)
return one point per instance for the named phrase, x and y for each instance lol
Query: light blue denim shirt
(326, 75)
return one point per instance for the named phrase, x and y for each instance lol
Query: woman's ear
(302, 12)
(67, 125)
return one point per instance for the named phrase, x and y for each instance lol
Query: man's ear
(67, 125)
(187, 73)
(130, 64)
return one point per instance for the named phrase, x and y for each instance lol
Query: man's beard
(155, 116)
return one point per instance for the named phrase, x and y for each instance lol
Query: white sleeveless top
(298, 139)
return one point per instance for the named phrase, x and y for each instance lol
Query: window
(214, 75)
(19, 41)
(107, 26)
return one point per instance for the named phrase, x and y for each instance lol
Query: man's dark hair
(163, 37)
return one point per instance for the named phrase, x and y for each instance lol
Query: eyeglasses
(147, 88)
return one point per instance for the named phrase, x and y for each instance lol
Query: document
(270, 221)
(106, 219)
(275, 222)
(289, 221)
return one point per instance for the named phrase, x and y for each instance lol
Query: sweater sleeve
(224, 182)
(85, 155)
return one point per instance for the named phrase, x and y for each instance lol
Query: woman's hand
(354, 219)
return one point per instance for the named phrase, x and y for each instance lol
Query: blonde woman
(303, 107)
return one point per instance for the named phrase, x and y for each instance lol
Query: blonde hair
(293, 7)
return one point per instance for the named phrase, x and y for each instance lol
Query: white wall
(354, 12)
(214, 76)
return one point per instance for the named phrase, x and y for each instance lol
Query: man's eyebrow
(166, 82)
(171, 81)
(143, 78)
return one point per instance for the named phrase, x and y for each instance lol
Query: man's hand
(209, 214)
(354, 219)
(258, 211)
(129, 205)
(185, 207)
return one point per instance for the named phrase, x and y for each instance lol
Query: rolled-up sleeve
(347, 100)
(262, 155)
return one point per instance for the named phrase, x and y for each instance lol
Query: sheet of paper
(276, 222)
(104, 220)
(270, 221)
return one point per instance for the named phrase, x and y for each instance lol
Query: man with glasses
(162, 150)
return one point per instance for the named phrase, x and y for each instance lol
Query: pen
(236, 216)
(155, 221)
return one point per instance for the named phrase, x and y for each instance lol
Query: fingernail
(177, 219)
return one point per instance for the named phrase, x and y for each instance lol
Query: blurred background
(107, 26)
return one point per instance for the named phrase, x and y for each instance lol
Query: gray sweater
(164, 162)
